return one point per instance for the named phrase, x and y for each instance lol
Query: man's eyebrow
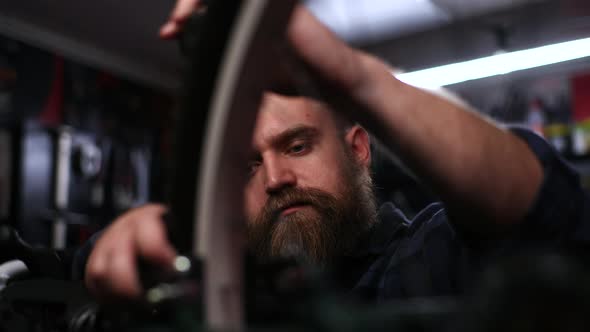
(286, 137)
(291, 134)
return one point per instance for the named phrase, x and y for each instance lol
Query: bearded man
(309, 194)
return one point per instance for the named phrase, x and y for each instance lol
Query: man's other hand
(112, 268)
(181, 12)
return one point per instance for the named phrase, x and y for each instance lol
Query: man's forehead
(280, 113)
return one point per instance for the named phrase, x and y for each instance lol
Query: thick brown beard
(329, 228)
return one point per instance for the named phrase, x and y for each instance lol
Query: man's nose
(278, 176)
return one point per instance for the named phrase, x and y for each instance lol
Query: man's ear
(358, 140)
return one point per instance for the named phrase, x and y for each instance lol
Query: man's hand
(111, 271)
(181, 12)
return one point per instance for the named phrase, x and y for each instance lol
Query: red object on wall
(53, 110)
(581, 97)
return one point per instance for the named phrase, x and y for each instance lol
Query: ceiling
(121, 36)
(374, 20)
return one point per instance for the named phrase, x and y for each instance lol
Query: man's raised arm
(483, 173)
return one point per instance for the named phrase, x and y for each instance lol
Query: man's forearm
(478, 169)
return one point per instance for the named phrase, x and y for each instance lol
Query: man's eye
(298, 148)
(253, 167)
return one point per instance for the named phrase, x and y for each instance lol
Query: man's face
(309, 194)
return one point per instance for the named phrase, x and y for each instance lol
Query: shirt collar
(390, 221)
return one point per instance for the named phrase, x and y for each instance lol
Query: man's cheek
(252, 208)
(254, 213)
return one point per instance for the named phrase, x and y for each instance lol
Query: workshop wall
(78, 145)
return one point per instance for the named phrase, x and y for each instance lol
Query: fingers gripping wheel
(228, 73)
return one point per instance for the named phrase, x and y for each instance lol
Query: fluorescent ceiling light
(366, 20)
(497, 64)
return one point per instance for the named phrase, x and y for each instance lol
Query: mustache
(288, 197)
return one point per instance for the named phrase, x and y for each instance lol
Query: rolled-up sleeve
(81, 257)
(559, 216)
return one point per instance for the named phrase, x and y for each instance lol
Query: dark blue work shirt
(427, 256)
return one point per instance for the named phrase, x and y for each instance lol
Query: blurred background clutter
(78, 145)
